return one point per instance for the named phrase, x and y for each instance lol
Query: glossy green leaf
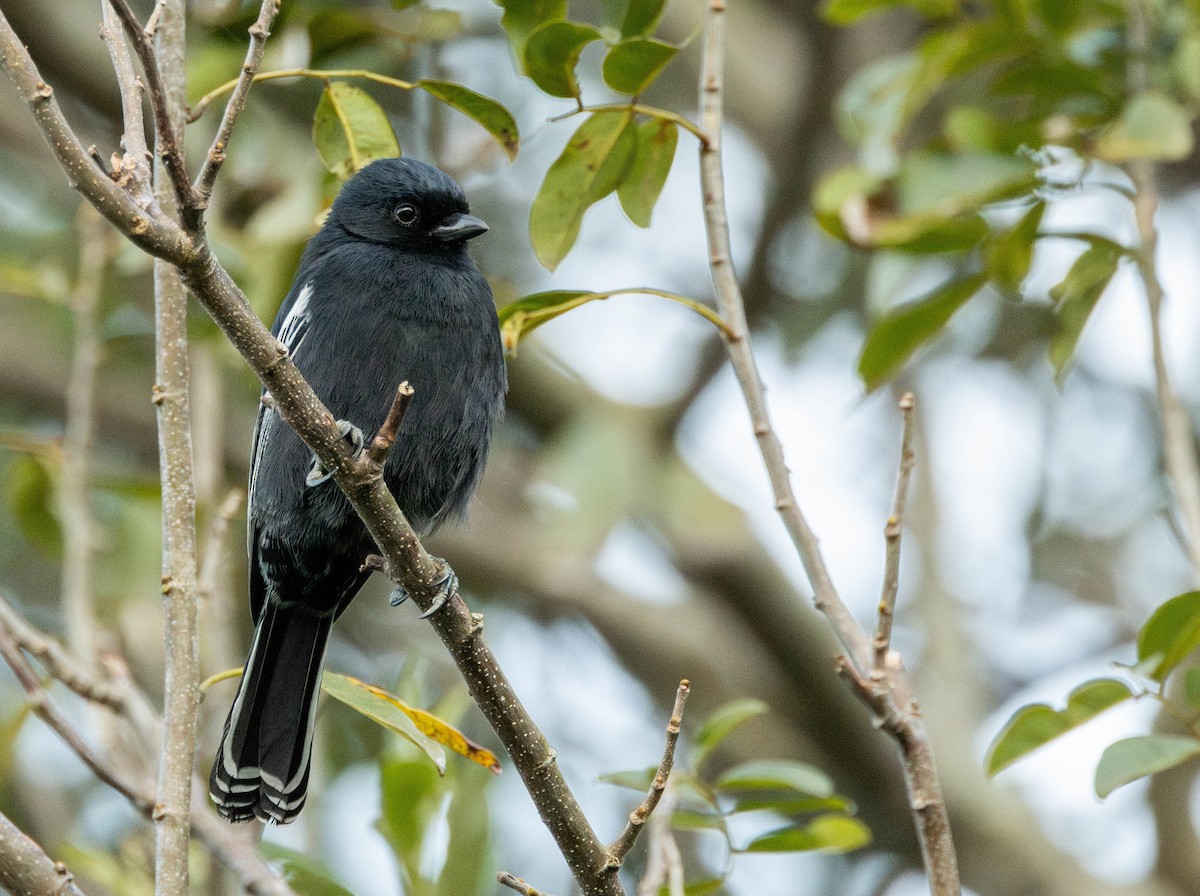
(706, 887)
(494, 118)
(375, 707)
(722, 723)
(1170, 635)
(1076, 296)
(633, 64)
(638, 779)
(521, 17)
(903, 330)
(1008, 256)
(782, 775)
(351, 130)
(591, 166)
(1151, 126)
(304, 874)
(639, 191)
(1136, 757)
(1035, 725)
(31, 497)
(832, 833)
(552, 52)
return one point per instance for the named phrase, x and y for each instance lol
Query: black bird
(385, 292)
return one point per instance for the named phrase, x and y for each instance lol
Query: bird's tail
(263, 762)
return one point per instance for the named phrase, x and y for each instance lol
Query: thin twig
(650, 111)
(1179, 444)
(891, 533)
(639, 816)
(664, 864)
(26, 869)
(259, 32)
(96, 245)
(119, 694)
(517, 883)
(203, 103)
(169, 146)
(214, 603)
(181, 693)
(386, 437)
(887, 694)
(132, 171)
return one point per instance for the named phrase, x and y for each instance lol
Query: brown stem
(381, 445)
(891, 533)
(26, 869)
(639, 816)
(259, 32)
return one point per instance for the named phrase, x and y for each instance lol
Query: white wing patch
(295, 325)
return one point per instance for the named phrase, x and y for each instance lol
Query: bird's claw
(318, 473)
(446, 586)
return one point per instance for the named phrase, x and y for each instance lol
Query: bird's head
(407, 204)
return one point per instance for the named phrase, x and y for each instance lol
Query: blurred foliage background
(624, 536)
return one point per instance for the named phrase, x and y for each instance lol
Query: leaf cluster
(959, 140)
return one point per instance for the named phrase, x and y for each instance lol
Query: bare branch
(887, 691)
(639, 816)
(517, 883)
(168, 127)
(133, 171)
(1179, 444)
(213, 160)
(381, 445)
(891, 534)
(664, 864)
(26, 869)
(97, 242)
(148, 230)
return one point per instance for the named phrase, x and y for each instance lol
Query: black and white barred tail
(262, 765)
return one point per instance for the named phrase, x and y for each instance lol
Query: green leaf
(782, 775)
(1136, 757)
(351, 130)
(639, 191)
(642, 17)
(591, 166)
(375, 707)
(832, 833)
(846, 12)
(1008, 256)
(786, 804)
(521, 17)
(552, 52)
(693, 820)
(305, 875)
(1035, 725)
(1191, 687)
(410, 800)
(494, 118)
(31, 498)
(1077, 295)
(699, 888)
(638, 779)
(903, 330)
(1151, 126)
(722, 723)
(1170, 634)
(633, 64)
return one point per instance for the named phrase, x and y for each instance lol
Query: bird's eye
(406, 214)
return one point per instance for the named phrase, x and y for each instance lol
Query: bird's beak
(459, 227)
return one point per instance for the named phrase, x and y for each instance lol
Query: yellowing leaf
(396, 715)
(351, 130)
(1151, 126)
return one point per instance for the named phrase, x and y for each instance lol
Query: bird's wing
(294, 319)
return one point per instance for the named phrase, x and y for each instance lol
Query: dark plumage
(385, 292)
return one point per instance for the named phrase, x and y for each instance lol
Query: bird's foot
(446, 586)
(318, 472)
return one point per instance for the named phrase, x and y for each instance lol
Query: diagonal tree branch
(26, 869)
(361, 479)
